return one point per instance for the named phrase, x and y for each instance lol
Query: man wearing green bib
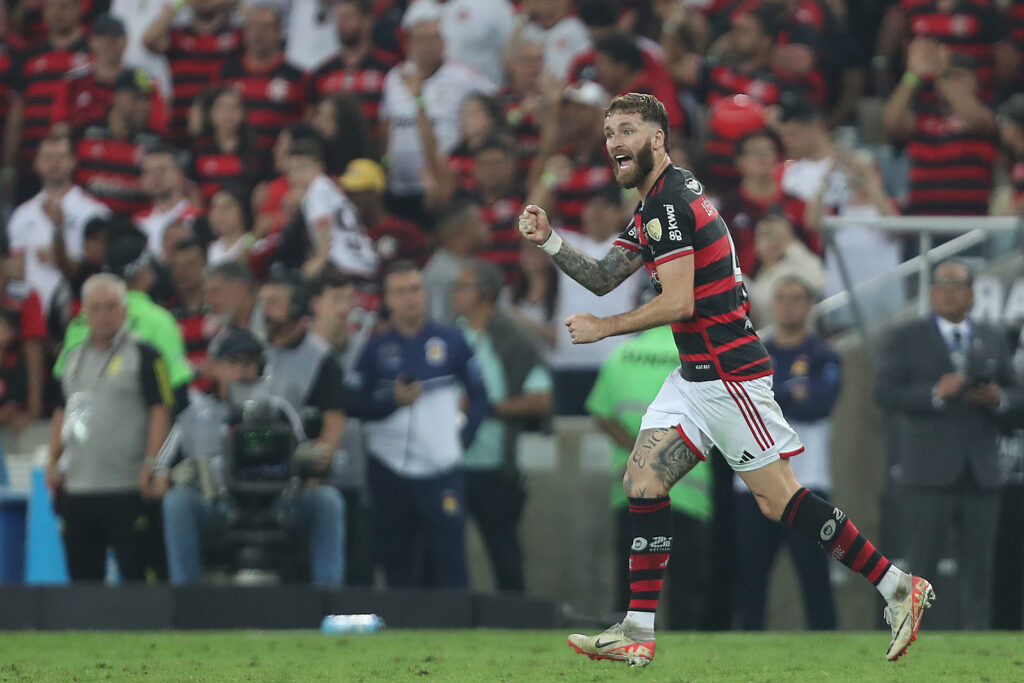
(628, 381)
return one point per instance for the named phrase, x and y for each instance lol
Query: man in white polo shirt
(60, 206)
(163, 181)
(439, 86)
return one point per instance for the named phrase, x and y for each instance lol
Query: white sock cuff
(641, 619)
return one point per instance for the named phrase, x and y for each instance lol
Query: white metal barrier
(970, 232)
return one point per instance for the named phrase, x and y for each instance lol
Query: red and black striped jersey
(109, 170)
(950, 168)
(41, 72)
(211, 167)
(503, 250)
(971, 30)
(32, 26)
(462, 162)
(810, 13)
(741, 212)
(198, 328)
(195, 61)
(720, 80)
(274, 96)
(677, 219)
(10, 47)
(523, 125)
(82, 100)
(365, 81)
(584, 182)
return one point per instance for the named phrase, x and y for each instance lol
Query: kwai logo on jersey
(653, 229)
(670, 214)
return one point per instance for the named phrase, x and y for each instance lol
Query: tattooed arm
(599, 276)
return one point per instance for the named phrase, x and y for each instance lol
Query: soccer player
(720, 398)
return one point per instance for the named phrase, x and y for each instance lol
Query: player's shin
(648, 557)
(834, 533)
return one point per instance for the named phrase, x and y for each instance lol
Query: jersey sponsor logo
(670, 214)
(277, 90)
(653, 229)
(639, 543)
(693, 185)
(707, 206)
(828, 530)
(436, 351)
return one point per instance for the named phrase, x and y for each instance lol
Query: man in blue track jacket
(408, 385)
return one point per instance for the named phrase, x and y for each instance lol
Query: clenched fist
(533, 224)
(585, 328)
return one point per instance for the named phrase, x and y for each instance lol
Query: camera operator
(300, 368)
(195, 504)
(948, 383)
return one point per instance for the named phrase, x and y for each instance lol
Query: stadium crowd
(326, 192)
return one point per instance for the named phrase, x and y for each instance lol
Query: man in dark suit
(948, 385)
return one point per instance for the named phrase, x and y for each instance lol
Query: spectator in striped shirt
(41, 68)
(273, 89)
(951, 146)
(571, 167)
(358, 68)
(195, 52)
(620, 67)
(188, 306)
(225, 147)
(87, 92)
(499, 190)
(973, 29)
(522, 96)
(109, 152)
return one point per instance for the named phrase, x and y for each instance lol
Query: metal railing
(970, 231)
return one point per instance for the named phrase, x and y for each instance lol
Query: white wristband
(552, 244)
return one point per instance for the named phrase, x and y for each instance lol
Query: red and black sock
(834, 533)
(649, 553)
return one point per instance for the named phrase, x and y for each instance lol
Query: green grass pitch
(494, 655)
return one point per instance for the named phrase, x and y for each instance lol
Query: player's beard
(643, 164)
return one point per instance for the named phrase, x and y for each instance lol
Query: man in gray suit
(948, 385)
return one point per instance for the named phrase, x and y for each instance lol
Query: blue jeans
(320, 510)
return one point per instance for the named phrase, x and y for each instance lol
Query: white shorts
(741, 418)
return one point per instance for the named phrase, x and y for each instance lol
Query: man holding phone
(409, 386)
(948, 385)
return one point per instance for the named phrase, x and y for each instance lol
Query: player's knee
(641, 484)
